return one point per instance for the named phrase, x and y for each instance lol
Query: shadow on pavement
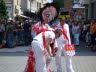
(81, 50)
(13, 53)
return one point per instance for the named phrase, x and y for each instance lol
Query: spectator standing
(93, 35)
(27, 32)
(87, 34)
(19, 33)
(2, 29)
(76, 33)
(10, 30)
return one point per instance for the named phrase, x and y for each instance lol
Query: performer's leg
(58, 61)
(40, 59)
(68, 62)
(60, 42)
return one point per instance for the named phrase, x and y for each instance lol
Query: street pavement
(14, 60)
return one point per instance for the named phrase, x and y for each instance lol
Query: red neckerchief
(55, 26)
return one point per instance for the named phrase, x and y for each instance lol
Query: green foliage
(3, 10)
(60, 3)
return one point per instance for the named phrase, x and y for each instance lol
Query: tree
(3, 9)
(60, 3)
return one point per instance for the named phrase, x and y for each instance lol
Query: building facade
(13, 8)
(20, 7)
(68, 5)
(90, 8)
(30, 7)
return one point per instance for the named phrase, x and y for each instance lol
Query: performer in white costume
(42, 27)
(46, 14)
(41, 47)
(61, 41)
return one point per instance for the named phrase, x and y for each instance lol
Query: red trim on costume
(69, 48)
(44, 42)
(38, 28)
(64, 33)
(55, 26)
(30, 67)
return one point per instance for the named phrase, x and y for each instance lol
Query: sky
(50, 1)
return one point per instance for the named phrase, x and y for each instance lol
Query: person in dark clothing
(10, 29)
(27, 33)
(19, 35)
(2, 29)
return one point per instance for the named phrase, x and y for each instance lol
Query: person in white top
(76, 33)
(61, 41)
(41, 26)
(41, 47)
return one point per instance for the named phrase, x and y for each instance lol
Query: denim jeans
(1, 37)
(27, 38)
(10, 40)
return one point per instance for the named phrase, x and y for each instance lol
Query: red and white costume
(38, 28)
(38, 48)
(61, 41)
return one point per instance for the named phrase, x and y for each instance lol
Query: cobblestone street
(84, 61)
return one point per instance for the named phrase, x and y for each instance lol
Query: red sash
(38, 28)
(44, 42)
(64, 33)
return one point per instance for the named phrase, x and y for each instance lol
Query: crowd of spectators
(19, 33)
(84, 31)
(14, 33)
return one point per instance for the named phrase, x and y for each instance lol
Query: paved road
(84, 61)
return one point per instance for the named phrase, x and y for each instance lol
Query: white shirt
(66, 27)
(2, 28)
(48, 34)
(75, 30)
(38, 25)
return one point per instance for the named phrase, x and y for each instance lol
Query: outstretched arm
(47, 46)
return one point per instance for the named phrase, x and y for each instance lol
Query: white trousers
(68, 60)
(39, 57)
(42, 61)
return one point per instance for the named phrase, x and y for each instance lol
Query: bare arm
(47, 46)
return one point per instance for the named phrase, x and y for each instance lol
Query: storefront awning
(33, 11)
(40, 1)
(82, 2)
(78, 6)
(23, 16)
